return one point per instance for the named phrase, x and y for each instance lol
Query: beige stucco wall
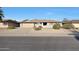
(27, 25)
(49, 25)
(76, 25)
(3, 26)
(60, 24)
(31, 25)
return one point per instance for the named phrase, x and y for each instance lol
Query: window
(44, 23)
(40, 22)
(35, 23)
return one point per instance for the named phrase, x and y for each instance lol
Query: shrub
(38, 28)
(11, 27)
(56, 26)
(76, 28)
(0, 20)
(68, 26)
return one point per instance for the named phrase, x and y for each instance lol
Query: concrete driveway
(14, 32)
(50, 32)
(32, 32)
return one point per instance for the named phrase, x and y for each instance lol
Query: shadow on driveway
(76, 34)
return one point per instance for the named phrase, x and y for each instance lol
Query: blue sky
(55, 13)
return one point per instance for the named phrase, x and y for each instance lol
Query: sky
(52, 13)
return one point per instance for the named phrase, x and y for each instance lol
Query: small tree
(1, 14)
(38, 28)
(11, 27)
(10, 20)
(56, 26)
(68, 26)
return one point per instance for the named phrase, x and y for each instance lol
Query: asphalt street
(39, 43)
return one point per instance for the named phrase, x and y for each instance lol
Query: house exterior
(3, 25)
(75, 23)
(7, 23)
(37, 23)
(46, 23)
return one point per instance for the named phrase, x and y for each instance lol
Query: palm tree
(1, 14)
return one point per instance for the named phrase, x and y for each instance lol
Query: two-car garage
(26, 25)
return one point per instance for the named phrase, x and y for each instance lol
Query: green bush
(0, 20)
(11, 27)
(76, 28)
(38, 28)
(56, 26)
(68, 26)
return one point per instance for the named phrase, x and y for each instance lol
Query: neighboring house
(7, 23)
(66, 22)
(37, 23)
(3, 25)
(75, 23)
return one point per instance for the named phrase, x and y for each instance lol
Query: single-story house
(7, 23)
(36, 23)
(46, 23)
(75, 23)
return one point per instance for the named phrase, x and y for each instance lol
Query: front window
(35, 23)
(44, 23)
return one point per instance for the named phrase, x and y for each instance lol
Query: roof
(43, 21)
(75, 21)
(66, 21)
(71, 21)
(35, 20)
